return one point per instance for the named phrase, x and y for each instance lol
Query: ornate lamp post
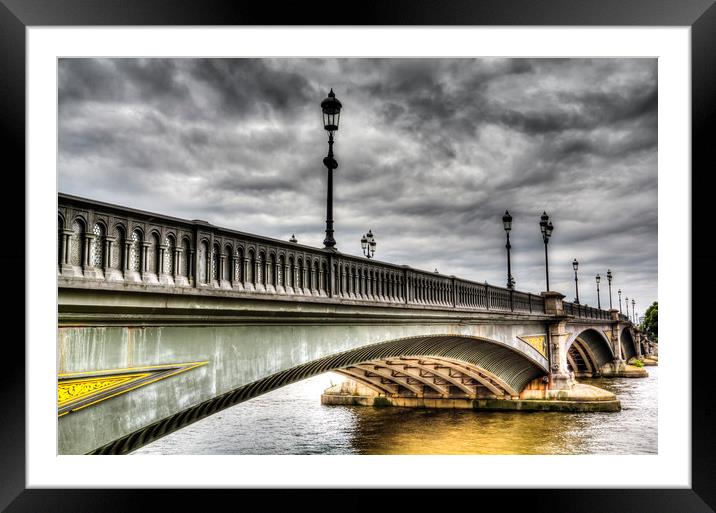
(599, 304)
(620, 300)
(609, 279)
(331, 108)
(546, 228)
(367, 244)
(632, 310)
(507, 223)
(626, 303)
(575, 265)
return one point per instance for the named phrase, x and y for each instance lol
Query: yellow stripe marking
(87, 384)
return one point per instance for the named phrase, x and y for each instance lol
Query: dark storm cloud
(431, 153)
(247, 87)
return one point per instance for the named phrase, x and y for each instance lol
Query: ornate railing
(585, 312)
(113, 244)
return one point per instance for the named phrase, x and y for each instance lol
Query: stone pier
(580, 398)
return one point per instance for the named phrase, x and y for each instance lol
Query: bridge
(165, 321)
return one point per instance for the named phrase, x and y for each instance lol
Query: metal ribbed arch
(598, 347)
(628, 344)
(512, 367)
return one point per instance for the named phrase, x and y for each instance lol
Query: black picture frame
(17, 15)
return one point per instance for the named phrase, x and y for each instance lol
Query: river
(292, 420)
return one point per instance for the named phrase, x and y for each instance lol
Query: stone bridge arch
(628, 344)
(500, 369)
(588, 352)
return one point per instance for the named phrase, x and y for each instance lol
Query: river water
(292, 420)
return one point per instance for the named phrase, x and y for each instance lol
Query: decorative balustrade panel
(163, 251)
(587, 312)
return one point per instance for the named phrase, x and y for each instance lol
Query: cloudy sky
(431, 152)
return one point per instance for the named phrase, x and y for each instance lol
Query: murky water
(293, 421)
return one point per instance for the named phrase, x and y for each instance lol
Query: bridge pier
(621, 369)
(559, 376)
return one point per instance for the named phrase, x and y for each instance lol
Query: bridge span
(164, 321)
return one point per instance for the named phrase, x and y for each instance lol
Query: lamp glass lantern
(331, 108)
(368, 244)
(544, 219)
(507, 221)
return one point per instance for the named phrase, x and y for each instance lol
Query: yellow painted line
(189, 366)
(138, 386)
(126, 378)
(94, 378)
(131, 369)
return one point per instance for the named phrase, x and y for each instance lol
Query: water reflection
(292, 421)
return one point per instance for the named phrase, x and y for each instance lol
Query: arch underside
(628, 344)
(588, 353)
(421, 376)
(460, 365)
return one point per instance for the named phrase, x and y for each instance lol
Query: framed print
(222, 244)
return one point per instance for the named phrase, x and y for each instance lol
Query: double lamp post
(546, 228)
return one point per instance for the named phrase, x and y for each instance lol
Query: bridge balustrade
(585, 312)
(118, 245)
(569, 308)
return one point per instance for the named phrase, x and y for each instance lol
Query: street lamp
(546, 228)
(632, 310)
(575, 265)
(620, 300)
(331, 108)
(367, 244)
(599, 304)
(626, 303)
(507, 223)
(293, 238)
(609, 279)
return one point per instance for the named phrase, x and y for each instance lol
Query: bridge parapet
(585, 312)
(100, 243)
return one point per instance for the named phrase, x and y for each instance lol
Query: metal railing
(585, 312)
